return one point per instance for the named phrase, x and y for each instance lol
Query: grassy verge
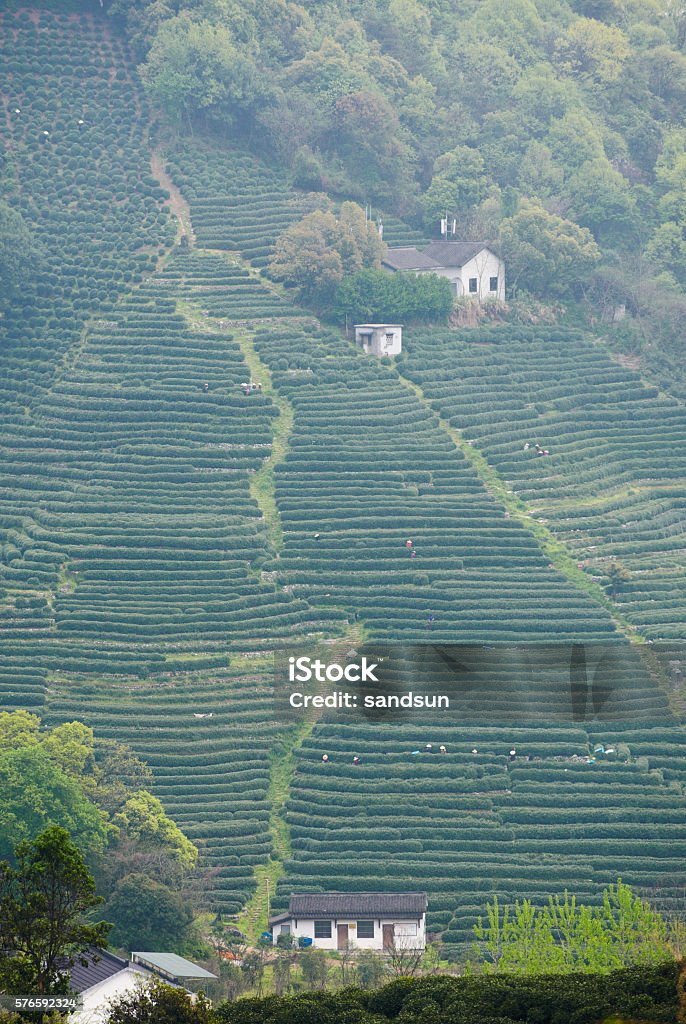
(557, 553)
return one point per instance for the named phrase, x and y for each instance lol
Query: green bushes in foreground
(646, 994)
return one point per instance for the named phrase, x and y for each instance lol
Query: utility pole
(267, 881)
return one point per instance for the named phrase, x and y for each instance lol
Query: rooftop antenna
(448, 226)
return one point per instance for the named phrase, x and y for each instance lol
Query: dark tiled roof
(454, 254)
(357, 904)
(408, 258)
(101, 965)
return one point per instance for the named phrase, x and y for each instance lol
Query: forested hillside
(556, 128)
(165, 525)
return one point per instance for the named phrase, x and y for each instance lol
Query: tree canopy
(314, 253)
(45, 903)
(19, 255)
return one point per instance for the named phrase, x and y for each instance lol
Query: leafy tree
(44, 903)
(601, 200)
(314, 966)
(37, 793)
(574, 139)
(252, 967)
(314, 253)
(459, 182)
(196, 67)
(368, 136)
(592, 50)
(158, 1003)
(513, 25)
(281, 972)
(143, 818)
(666, 251)
(19, 256)
(18, 729)
(540, 176)
(565, 937)
(120, 773)
(71, 747)
(371, 969)
(373, 295)
(147, 912)
(545, 254)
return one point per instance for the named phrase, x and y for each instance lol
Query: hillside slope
(160, 542)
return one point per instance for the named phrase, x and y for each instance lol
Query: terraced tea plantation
(475, 821)
(206, 736)
(236, 202)
(239, 203)
(162, 530)
(368, 469)
(75, 163)
(222, 289)
(613, 486)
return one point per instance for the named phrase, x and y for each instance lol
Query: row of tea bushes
(75, 164)
(368, 468)
(223, 289)
(470, 823)
(236, 202)
(613, 486)
(211, 772)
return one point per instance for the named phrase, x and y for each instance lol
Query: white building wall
(96, 1000)
(379, 339)
(409, 934)
(483, 267)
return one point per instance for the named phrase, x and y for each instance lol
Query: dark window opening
(473, 284)
(322, 929)
(494, 284)
(365, 929)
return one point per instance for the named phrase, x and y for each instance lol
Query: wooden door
(388, 937)
(342, 936)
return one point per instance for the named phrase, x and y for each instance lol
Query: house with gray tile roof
(381, 921)
(474, 269)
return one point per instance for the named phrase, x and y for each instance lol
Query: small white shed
(382, 921)
(379, 339)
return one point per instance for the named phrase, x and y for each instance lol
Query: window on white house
(322, 929)
(285, 929)
(389, 340)
(473, 284)
(494, 284)
(409, 928)
(365, 929)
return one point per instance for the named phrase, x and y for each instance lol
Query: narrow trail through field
(177, 204)
(254, 919)
(557, 552)
(262, 483)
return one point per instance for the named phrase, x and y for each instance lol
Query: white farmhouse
(379, 921)
(103, 978)
(379, 339)
(472, 268)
